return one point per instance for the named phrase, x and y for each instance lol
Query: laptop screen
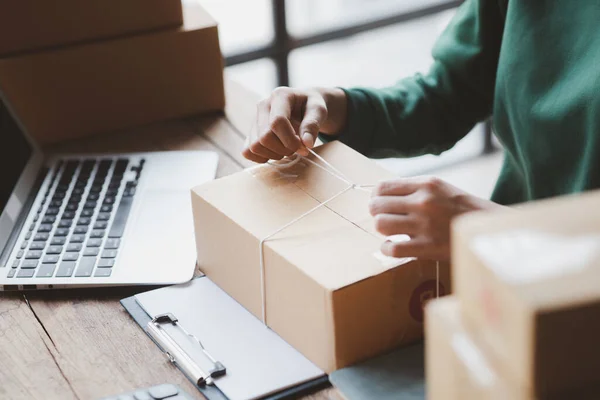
(15, 151)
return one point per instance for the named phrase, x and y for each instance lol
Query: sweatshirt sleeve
(430, 113)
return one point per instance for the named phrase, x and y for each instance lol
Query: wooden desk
(83, 345)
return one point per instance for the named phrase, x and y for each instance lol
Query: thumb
(314, 116)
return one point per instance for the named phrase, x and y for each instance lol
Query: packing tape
(283, 165)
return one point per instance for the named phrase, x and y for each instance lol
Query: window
(339, 43)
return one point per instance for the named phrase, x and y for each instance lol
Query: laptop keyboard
(77, 229)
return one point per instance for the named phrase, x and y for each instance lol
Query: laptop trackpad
(159, 243)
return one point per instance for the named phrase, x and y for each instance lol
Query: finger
(393, 224)
(314, 117)
(262, 151)
(280, 116)
(270, 141)
(253, 157)
(418, 248)
(392, 204)
(398, 187)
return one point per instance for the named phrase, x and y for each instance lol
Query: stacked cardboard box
(31, 25)
(456, 367)
(526, 317)
(73, 68)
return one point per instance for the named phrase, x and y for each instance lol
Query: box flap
(263, 199)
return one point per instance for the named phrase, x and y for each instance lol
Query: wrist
(337, 110)
(473, 203)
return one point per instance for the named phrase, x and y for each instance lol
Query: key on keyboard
(118, 226)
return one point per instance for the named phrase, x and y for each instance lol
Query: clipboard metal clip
(178, 356)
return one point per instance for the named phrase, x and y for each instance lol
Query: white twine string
(285, 164)
(437, 279)
(262, 252)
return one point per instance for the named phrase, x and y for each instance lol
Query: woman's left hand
(421, 208)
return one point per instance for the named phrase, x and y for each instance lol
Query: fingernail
(308, 139)
(302, 151)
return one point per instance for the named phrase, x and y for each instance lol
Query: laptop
(76, 220)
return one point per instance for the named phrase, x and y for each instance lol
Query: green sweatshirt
(532, 64)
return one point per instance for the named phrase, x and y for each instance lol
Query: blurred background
(301, 43)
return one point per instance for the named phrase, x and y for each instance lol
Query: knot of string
(285, 164)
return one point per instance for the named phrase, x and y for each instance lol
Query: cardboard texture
(326, 293)
(117, 84)
(534, 301)
(28, 25)
(455, 367)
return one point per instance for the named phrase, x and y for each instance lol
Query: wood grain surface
(81, 344)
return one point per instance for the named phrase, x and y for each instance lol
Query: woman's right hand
(289, 120)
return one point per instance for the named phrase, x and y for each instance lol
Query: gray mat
(397, 375)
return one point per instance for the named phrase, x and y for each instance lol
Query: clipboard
(189, 352)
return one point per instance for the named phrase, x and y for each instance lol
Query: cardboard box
(456, 368)
(116, 84)
(327, 294)
(529, 285)
(27, 25)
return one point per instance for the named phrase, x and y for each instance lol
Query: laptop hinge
(20, 222)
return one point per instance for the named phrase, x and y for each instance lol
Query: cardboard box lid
(194, 18)
(32, 25)
(272, 198)
(562, 235)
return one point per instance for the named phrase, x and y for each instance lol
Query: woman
(534, 65)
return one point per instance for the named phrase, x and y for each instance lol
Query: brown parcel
(542, 330)
(27, 25)
(326, 293)
(455, 368)
(117, 84)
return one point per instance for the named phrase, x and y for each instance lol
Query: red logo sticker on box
(421, 295)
